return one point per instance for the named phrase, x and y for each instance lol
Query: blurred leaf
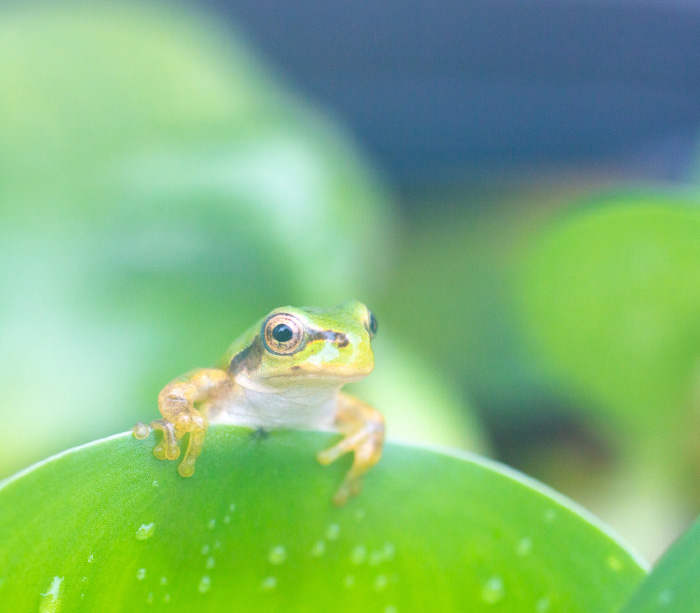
(448, 274)
(108, 527)
(611, 303)
(673, 585)
(157, 141)
(455, 269)
(612, 300)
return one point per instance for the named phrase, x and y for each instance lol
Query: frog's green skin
(286, 371)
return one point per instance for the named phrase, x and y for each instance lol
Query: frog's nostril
(342, 340)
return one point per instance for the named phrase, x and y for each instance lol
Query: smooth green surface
(456, 273)
(612, 300)
(107, 527)
(673, 586)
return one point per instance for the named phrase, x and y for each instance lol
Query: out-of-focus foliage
(513, 274)
(612, 297)
(159, 193)
(673, 585)
(456, 260)
(611, 301)
(254, 529)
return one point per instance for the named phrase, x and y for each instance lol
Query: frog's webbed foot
(168, 448)
(196, 424)
(364, 429)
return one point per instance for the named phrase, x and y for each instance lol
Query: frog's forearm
(176, 403)
(353, 415)
(176, 400)
(363, 427)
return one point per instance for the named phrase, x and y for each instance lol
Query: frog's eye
(283, 334)
(372, 325)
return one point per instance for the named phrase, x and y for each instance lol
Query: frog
(285, 372)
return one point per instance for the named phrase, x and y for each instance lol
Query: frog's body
(285, 372)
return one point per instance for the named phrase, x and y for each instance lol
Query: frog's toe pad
(186, 469)
(162, 451)
(141, 430)
(328, 456)
(341, 497)
(351, 487)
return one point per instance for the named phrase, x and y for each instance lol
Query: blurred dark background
(463, 91)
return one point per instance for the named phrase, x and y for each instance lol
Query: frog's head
(307, 348)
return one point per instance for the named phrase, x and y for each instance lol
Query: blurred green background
(161, 187)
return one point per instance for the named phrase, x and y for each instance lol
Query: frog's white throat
(257, 407)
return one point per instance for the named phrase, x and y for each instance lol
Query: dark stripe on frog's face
(339, 338)
(249, 359)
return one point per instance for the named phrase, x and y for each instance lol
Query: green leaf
(673, 585)
(461, 258)
(108, 527)
(613, 302)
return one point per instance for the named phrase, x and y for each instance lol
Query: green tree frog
(284, 372)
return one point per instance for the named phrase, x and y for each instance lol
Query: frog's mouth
(352, 371)
(318, 373)
(300, 382)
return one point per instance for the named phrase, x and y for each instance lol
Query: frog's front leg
(176, 403)
(363, 428)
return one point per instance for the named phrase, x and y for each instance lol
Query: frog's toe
(163, 452)
(342, 496)
(327, 456)
(168, 448)
(367, 453)
(194, 448)
(186, 468)
(346, 445)
(352, 486)
(141, 430)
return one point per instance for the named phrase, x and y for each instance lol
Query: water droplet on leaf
(51, 599)
(493, 591)
(277, 555)
(204, 584)
(145, 531)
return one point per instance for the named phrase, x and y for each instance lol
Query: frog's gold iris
(283, 334)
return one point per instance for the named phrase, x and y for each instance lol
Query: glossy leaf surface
(108, 527)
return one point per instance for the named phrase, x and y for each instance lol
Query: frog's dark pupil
(372, 323)
(282, 333)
